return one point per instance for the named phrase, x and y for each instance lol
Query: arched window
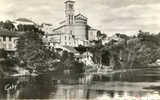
(4, 38)
(65, 37)
(70, 6)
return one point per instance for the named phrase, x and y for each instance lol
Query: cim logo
(10, 86)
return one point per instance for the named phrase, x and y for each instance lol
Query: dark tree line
(9, 25)
(128, 52)
(134, 52)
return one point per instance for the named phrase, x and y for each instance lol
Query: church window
(71, 31)
(70, 6)
(10, 38)
(4, 38)
(71, 19)
(10, 46)
(4, 46)
(65, 37)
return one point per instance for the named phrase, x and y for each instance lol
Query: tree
(1, 24)
(81, 49)
(100, 35)
(3, 56)
(7, 63)
(32, 52)
(3, 53)
(135, 52)
(8, 25)
(29, 28)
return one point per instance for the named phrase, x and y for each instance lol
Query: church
(74, 29)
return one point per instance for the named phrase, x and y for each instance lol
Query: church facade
(74, 30)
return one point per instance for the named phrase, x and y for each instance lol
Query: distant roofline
(47, 24)
(62, 22)
(69, 1)
(71, 49)
(93, 29)
(25, 20)
(82, 15)
(59, 27)
(53, 34)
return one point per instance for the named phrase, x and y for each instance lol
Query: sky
(109, 16)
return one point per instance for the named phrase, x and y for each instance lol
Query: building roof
(62, 22)
(55, 34)
(93, 29)
(71, 49)
(5, 32)
(66, 48)
(69, 1)
(59, 27)
(25, 20)
(47, 24)
(80, 16)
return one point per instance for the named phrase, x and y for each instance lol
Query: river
(46, 87)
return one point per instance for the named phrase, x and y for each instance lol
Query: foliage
(3, 53)
(136, 52)
(7, 62)
(81, 49)
(128, 52)
(29, 28)
(68, 63)
(7, 25)
(32, 52)
(106, 58)
(101, 35)
(3, 56)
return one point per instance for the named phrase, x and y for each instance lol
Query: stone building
(74, 30)
(8, 40)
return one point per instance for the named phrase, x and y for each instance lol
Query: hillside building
(8, 40)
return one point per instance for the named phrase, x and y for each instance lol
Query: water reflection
(27, 87)
(48, 87)
(38, 88)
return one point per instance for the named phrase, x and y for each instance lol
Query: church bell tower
(69, 12)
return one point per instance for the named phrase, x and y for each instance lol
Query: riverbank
(157, 88)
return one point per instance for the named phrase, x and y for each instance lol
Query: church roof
(80, 16)
(93, 29)
(59, 27)
(62, 22)
(48, 24)
(69, 1)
